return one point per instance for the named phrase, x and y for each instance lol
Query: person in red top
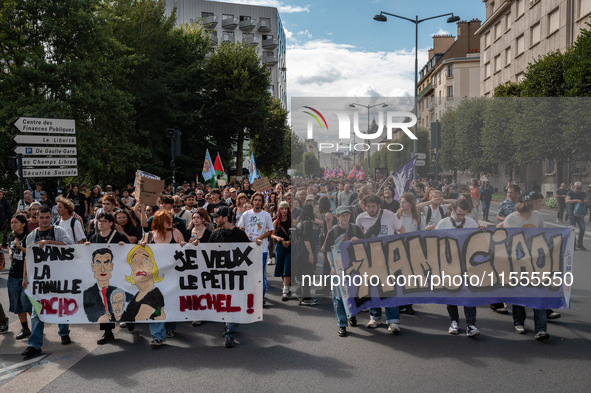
(475, 195)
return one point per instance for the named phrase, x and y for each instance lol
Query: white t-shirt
(435, 214)
(255, 224)
(388, 226)
(447, 223)
(410, 224)
(514, 221)
(67, 226)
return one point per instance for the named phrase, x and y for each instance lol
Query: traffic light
(175, 141)
(435, 135)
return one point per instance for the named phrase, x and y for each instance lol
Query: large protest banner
(159, 282)
(468, 267)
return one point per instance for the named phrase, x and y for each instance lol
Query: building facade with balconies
(451, 73)
(252, 25)
(515, 34)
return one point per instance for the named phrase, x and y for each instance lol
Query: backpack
(430, 213)
(376, 228)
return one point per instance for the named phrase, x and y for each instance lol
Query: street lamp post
(382, 18)
(353, 105)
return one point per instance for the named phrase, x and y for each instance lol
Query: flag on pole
(352, 173)
(217, 166)
(208, 171)
(403, 176)
(340, 172)
(325, 174)
(360, 173)
(253, 169)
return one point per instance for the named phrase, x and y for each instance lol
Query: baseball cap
(283, 204)
(232, 189)
(343, 209)
(222, 211)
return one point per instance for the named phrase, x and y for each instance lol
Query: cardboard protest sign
(531, 267)
(101, 283)
(261, 185)
(147, 189)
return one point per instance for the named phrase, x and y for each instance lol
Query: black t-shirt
(131, 230)
(47, 203)
(392, 206)
(213, 206)
(117, 237)
(234, 235)
(205, 236)
(18, 256)
(78, 200)
(282, 230)
(153, 299)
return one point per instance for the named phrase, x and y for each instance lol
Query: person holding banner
(458, 220)
(100, 266)
(162, 232)
(226, 232)
(412, 220)
(45, 234)
(339, 233)
(526, 216)
(376, 222)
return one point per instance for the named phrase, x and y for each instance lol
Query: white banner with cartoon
(101, 283)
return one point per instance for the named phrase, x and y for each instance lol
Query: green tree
(59, 61)
(545, 77)
(577, 66)
(238, 99)
(272, 141)
(166, 82)
(311, 165)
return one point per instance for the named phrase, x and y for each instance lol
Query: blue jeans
(158, 330)
(580, 221)
(540, 318)
(392, 314)
(37, 326)
(231, 329)
(339, 308)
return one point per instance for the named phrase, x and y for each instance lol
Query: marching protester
(162, 232)
(106, 234)
(526, 216)
(376, 222)
(227, 232)
(46, 234)
(19, 302)
(412, 220)
(281, 236)
(339, 233)
(486, 193)
(575, 200)
(70, 223)
(458, 220)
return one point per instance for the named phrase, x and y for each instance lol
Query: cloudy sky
(335, 48)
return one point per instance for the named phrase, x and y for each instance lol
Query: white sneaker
(519, 329)
(472, 331)
(394, 328)
(372, 324)
(453, 328)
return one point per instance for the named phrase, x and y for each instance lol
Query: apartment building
(451, 73)
(514, 34)
(258, 26)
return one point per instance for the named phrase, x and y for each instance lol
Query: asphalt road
(296, 348)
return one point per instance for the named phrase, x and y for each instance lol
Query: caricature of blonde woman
(148, 303)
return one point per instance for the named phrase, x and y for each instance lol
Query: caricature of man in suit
(97, 298)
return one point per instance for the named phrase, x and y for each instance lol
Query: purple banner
(467, 267)
(403, 176)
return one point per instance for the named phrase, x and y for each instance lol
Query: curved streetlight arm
(417, 20)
